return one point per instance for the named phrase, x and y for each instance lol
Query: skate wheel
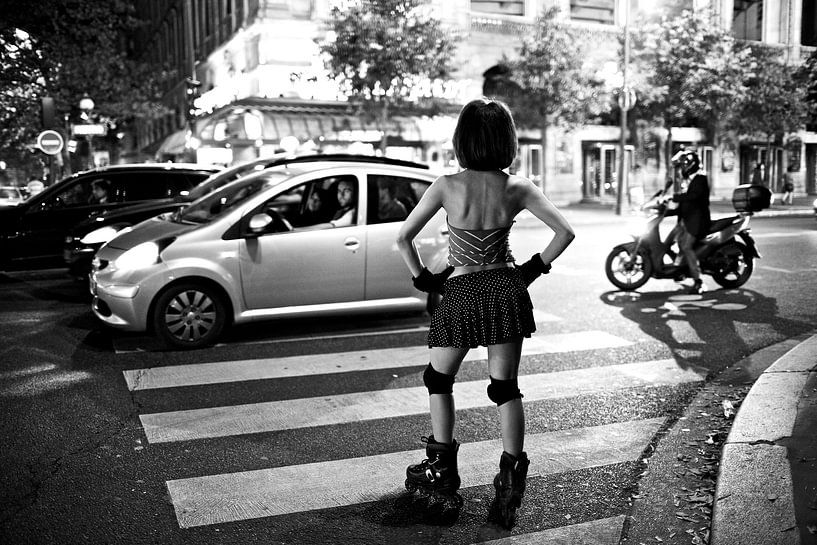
(411, 486)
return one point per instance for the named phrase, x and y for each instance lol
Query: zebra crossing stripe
(230, 497)
(355, 407)
(594, 532)
(343, 362)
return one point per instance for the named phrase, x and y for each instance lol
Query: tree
(64, 50)
(695, 72)
(806, 78)
(387, 52)
(547, 84)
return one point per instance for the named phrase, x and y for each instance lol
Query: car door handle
(352, 243)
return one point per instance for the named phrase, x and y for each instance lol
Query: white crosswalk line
(343, 362)
(356, 407)
(595, 532)
(246, 495)
(130, 344)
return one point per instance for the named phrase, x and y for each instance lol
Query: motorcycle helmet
(688, 161)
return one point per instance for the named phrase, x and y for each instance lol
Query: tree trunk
(668, 157)
(384, 120)
(542, 184)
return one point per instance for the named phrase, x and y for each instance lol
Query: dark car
(88, 236)
(32, 235)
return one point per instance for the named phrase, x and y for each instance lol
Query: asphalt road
(301, 453)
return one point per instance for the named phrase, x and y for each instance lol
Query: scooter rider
(693, 212)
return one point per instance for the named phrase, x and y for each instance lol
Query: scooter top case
(749, 198)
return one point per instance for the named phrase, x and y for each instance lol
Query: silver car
(259, 248)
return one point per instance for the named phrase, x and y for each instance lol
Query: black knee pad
(436, 382)
(502, 391)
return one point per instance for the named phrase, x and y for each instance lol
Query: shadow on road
(714, 318)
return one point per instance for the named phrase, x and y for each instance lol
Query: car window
(150, 185)
(85, 191)
(391, 198)
(227, 198)
(321, 203)
(9, 193)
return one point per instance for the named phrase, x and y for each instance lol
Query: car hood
(130, 214)
(150, 230)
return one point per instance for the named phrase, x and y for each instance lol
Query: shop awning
(270, 120)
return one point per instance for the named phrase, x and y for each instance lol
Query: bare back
(482, 199)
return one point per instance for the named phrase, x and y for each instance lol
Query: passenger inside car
(389, 208)
(99, 191)
(317, 209)
(347, 200)
(342, 195)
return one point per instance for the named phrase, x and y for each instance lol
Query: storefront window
(747, 20)
(508, 7)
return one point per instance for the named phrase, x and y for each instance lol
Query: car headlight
(814, 204)
(142, 255)
(103, 235)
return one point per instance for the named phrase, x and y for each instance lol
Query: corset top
(478, 246)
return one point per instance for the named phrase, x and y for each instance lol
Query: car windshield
(7, 193)
(220, 179)
(227, 198)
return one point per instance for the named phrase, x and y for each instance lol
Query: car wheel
(189, 315)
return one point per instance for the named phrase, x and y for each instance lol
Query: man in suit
(693, 212)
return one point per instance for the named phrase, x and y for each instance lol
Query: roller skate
(436, 479)
(510, 487)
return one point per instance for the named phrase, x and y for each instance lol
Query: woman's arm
(541, 207)
(429, 204)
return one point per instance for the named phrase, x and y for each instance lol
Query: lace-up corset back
(478, 246)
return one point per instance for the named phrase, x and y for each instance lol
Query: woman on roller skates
(485, 301)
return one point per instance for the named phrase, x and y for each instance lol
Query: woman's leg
(441, 406)
(503, 364)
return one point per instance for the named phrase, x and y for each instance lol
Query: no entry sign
(50, 142)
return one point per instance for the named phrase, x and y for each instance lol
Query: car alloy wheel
(189, 315)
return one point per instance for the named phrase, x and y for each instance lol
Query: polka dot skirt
(482, 308)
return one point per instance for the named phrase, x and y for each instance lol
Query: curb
(754, 500)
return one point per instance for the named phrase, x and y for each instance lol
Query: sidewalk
(604, 211)
(767, 483)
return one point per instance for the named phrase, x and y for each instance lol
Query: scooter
(727, 253)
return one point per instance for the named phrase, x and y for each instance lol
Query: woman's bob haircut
(485, 137)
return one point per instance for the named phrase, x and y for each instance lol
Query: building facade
(264, 86)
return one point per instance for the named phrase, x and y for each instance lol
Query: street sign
(89, 129)
(626, 98)
(50, 142)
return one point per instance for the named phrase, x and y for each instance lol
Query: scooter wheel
(732, 265)
(626, 270)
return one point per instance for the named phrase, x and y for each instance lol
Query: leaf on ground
(728, 408)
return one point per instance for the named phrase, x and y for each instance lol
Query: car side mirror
(259, 223)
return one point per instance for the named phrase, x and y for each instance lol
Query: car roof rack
(343, 158)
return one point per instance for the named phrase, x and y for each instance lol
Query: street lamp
(86, 104)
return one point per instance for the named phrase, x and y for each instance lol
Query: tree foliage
(65, 50)
(806, 78)
(387, 52)
(549, 82)
(775, 104)
(694, 72)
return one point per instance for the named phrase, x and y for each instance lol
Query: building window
(747, 20)
(808, 30)
(593, 11)
(505, 7)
